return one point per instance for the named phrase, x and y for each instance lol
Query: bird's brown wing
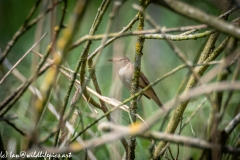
(145, 80)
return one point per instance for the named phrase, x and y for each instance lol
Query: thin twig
(196, 14)
(28, 51)
(129, 26)
(22, 30)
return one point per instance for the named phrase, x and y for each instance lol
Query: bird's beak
(110, 60)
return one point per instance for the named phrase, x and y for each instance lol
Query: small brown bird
(125, 73)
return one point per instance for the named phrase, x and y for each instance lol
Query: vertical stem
(63, 47)
(178, 112)
(135, 78)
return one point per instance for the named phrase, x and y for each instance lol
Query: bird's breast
(125, 76)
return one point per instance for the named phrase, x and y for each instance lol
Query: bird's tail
(158, 102)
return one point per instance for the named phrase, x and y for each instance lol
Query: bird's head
(120, 61)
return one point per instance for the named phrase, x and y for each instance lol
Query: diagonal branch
(198, 15)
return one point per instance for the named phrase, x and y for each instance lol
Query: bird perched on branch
(125, 73)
